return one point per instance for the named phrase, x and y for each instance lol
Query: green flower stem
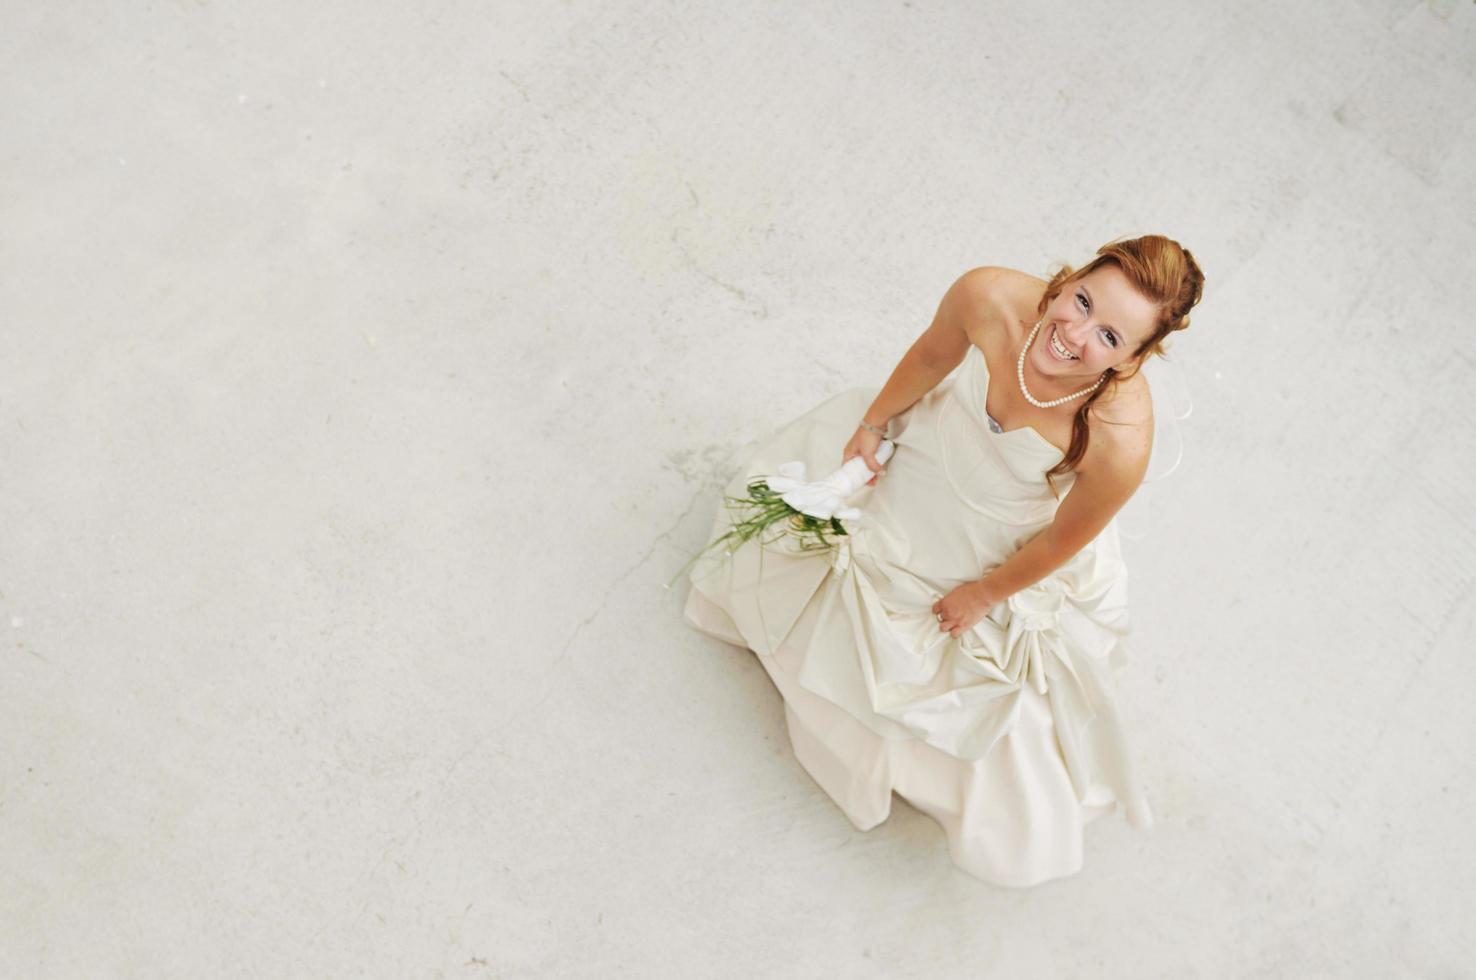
(767, 509)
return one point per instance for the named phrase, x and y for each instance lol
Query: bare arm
(938, 350)
(1108, 474)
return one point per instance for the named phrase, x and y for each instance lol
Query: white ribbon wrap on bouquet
(827, 498)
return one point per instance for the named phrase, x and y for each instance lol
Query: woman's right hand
(864, 444)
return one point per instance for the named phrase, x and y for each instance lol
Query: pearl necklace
(1020, 374)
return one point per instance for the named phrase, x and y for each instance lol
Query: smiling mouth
(1061, 352)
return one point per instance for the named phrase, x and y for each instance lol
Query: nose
(1076, 332)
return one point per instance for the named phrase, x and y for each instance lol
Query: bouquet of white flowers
(808, 512)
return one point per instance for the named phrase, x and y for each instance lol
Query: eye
(1084, 304)
(1111, 338)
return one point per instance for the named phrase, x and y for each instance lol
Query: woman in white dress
(957, 646)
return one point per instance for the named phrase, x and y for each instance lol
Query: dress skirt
(1010, 818)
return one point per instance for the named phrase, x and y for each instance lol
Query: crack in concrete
(763, 308)
(523, 91)
(564, 652)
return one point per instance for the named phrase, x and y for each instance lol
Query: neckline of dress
(984, 362)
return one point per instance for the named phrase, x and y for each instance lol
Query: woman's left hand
(960, 609)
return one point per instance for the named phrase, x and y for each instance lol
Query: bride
(958, 645)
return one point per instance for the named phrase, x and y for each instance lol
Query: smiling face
(1099, 320)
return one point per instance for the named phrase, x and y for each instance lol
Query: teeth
(1059, 349)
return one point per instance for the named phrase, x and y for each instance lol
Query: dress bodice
(1000, 473)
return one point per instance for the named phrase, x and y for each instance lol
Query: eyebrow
(1094, 303)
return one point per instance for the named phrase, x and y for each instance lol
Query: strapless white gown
(1008, 736)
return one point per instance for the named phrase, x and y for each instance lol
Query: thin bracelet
(871, 428)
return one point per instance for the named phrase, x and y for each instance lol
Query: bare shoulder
(1001, 299)
(1128, 402)
(1121, 430)
(989, 278)
(995, 283)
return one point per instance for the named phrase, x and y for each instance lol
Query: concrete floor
(368, 367)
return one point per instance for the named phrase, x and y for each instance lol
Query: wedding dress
(1007, 735)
